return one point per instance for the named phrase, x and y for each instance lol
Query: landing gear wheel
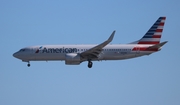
(90, 64)
(28, 65)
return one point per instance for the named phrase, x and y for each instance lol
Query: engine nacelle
(72, 59)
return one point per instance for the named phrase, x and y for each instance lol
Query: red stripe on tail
(149, 42)
(144, 49)
(156, 36)
(159, 30)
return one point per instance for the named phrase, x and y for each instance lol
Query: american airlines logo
(56, 50)
(37, 51)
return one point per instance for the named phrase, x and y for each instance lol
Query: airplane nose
(15, 55)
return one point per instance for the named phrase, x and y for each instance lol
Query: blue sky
(148, 80)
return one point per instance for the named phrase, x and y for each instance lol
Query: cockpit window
(22, 50)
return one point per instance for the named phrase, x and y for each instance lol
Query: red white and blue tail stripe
(153, 35)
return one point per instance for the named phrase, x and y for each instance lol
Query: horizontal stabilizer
(158, 45)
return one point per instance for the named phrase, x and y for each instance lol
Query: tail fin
(153, 35)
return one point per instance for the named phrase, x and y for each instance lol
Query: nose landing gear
(28, 65)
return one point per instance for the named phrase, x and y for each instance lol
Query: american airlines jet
(76, 54)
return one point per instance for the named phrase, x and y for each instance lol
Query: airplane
(76, 54)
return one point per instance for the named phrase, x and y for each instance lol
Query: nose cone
(15, 55)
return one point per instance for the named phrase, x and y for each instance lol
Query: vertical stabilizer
(153, 35)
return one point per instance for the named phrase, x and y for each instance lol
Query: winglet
(111, 37)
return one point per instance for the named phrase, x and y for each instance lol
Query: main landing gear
(90, 64)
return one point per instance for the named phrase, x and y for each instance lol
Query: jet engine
(72, 59)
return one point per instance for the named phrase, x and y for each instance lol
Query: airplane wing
(95, 51)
